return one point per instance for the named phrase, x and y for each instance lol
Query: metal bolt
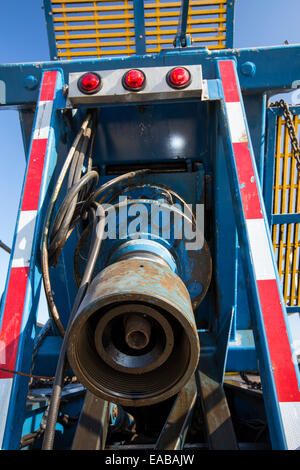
(65, 90)
(248, 68)
(30, 82)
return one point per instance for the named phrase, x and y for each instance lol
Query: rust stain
(243, 137)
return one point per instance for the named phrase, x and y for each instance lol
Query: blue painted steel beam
(139, 27)
(11, 426)
(229, 23)
(285, 219)
(266, 373)
(225, 260)
(50, 29)
(269, 162)
(260, 335)
(295, 309)
(270, 62)
(242, 353)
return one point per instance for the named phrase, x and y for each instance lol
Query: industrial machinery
(160, 216)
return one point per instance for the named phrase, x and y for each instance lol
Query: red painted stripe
(284, 371)
(248, 186)
(48, 86)
(12, 319)
(34, 175)
(279, 346)
(17, 284)
(228, 77)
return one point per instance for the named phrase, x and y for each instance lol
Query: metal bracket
(220, 432)
(92, 427)
(181, 36)
(173, 434)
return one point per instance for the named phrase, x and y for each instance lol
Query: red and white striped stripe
(283, 366)
(22, 251)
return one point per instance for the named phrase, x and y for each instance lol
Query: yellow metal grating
(86, 29)
(286, 198)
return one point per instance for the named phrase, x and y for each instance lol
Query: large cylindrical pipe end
(134, 340)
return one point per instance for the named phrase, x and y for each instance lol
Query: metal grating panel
(206, 24)
(286, 200)
(87, 29)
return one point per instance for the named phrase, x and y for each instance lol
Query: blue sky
(23, 38)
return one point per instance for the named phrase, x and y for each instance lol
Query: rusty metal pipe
(104, 350)
(137, 331)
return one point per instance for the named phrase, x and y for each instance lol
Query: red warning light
(89, 83)
(179, 77)
(134, 80)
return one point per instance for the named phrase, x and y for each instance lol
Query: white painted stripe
(260, 249)
(290, 412)
(236, 122)
(5, 389)
(43, 119)
(2, 352)
(23, 246)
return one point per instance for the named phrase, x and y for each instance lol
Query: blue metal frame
(139, 27)
(230, 9)
(225, 259)
(16, 409)
(219, 349)
(273, 413)
(269, 63)
(263, 138)
(271, 116)
(269, 170)
(50, 29)
(260, 335)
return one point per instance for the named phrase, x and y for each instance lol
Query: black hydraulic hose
(45, 261)
(79, 202)
(65, 215)
(57, 243)
(104, 187)
(81, 156)
(62, 364)
(118, 179)
(5, 247)
(74, 164)
(69, 198)
(92, 258)
(66, 211)
(76, 254)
